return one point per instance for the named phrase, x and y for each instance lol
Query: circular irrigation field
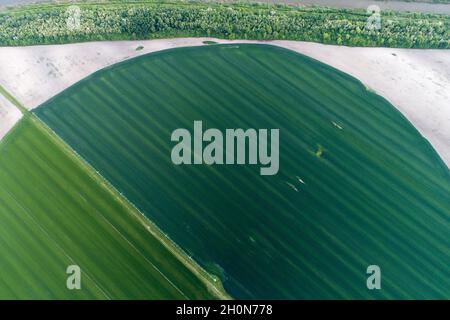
(357, 185)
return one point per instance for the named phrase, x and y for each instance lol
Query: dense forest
(48, 24)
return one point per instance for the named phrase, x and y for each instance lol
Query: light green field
(358, 185)
(54, 213)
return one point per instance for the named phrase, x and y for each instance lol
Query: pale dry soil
(9, 115)
(416, 82)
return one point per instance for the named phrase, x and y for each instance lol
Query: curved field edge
(47, 24)
(133, 60)
(35, 242)
(396, 74)
(412, 179)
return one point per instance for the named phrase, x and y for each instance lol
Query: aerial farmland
(232, 151)
(9, 115)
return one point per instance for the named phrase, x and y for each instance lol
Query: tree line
(50, 24)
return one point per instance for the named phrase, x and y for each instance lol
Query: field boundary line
(13, 100)
(212, 283)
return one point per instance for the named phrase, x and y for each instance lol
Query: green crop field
(54, 213)
(357, 184)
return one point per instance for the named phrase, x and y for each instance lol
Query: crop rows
(55, 213)
(376, 193)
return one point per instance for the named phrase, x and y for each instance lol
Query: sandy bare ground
(417, 82)
(35, 74)
(9, 115)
